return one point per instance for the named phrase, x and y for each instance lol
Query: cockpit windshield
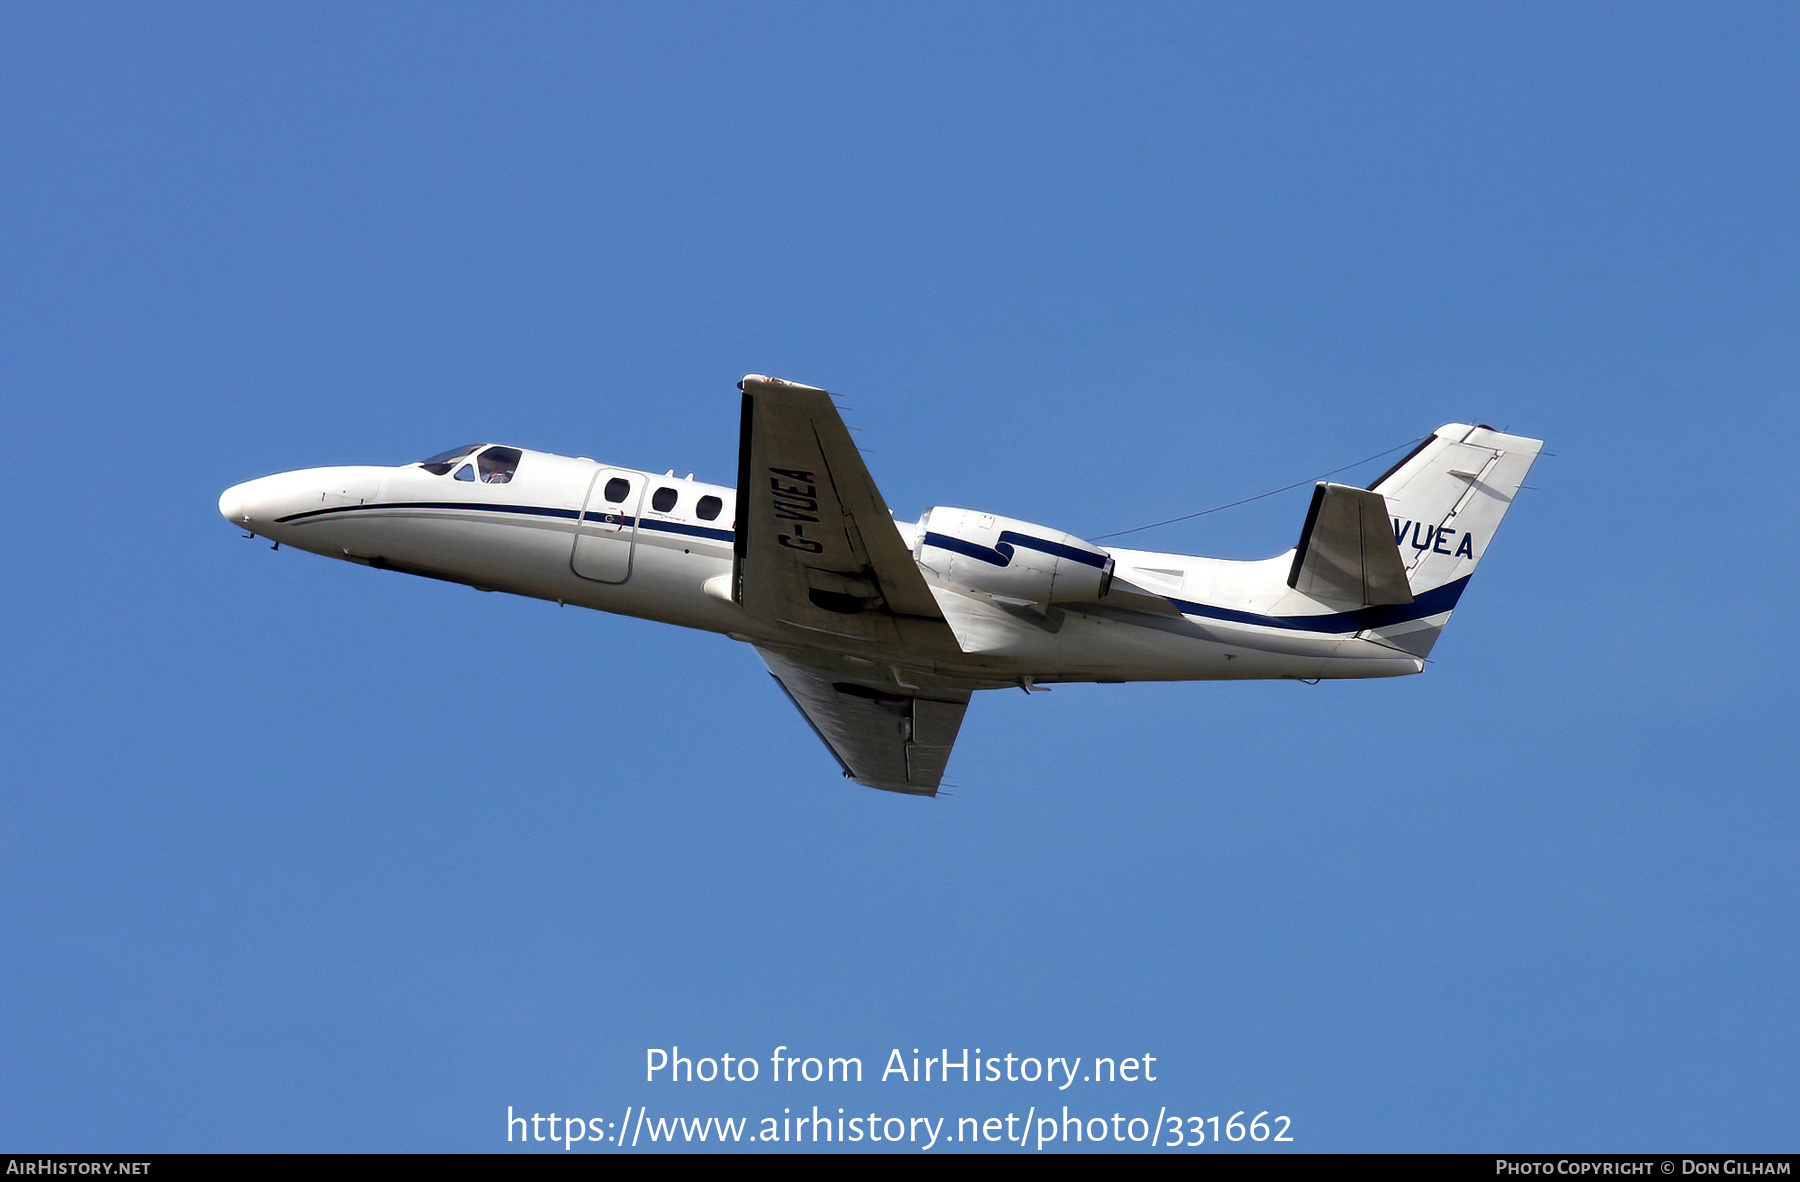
(445, 460)
(496, 465)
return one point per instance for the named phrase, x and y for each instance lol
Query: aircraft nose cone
(253, 504)
(233, 505)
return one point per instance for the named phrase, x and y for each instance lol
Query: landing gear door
(607, 532)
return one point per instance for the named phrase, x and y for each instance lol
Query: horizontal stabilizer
(1347, 551)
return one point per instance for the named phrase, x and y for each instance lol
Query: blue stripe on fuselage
(1429, 603)
(681, 527)
(672, 527)
(527, 510)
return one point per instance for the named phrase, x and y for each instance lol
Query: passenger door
(607, 532)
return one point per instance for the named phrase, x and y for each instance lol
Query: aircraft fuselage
(1028, 604)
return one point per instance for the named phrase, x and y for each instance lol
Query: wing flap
(1347, 551)
(883, 734)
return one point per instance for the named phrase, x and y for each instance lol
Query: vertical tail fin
(1445, 500)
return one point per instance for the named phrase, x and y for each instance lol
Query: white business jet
(881, 630)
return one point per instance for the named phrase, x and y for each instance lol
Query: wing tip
(761, 379)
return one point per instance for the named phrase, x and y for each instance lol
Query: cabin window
(617, 489)
(498, 464)
(465, 473)
(708, 508)
(663, 499)
(445, 460)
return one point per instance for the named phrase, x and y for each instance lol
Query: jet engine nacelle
(1013, 561)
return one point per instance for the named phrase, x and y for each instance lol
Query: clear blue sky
(301, 855)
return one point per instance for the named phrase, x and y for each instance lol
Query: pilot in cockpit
(497, 464)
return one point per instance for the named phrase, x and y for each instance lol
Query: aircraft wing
(817, 552)
(884, 734)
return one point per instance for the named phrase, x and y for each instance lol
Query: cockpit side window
(498, 464)
(465, 473)
(445, 460)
